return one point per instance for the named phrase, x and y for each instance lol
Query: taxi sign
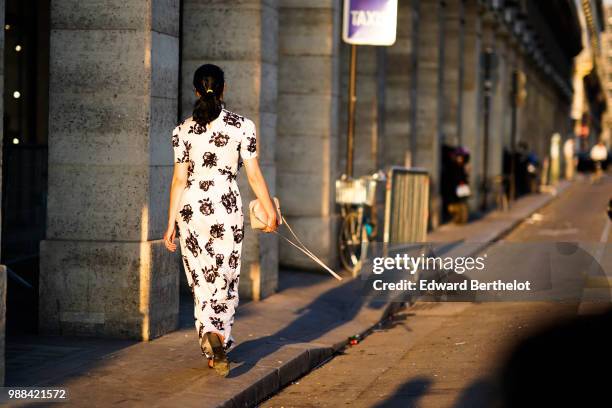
(369, 22)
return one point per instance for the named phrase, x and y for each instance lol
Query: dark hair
(209, 81)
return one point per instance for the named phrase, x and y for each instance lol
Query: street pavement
(451, 354)
(279, 340)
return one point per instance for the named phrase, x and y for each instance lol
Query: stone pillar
(2, 267)
(241, 37)
(427, 124)
(562, 118)
(399, 88)
(501, 104)
(453, 56)
(472, 95)
(543, 133)
(508, 64)
(520, 65)
(104, 270)
(309, 36)
(493, 153)
(503, 100)
(529, 114)
(552, 143)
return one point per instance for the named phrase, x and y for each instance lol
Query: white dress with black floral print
(210, 221)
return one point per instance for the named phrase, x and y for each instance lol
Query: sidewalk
(278, 340)
(480, 233)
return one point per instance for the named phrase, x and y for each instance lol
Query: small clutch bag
(258, 215)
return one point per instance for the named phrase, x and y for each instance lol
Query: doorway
(24, 152)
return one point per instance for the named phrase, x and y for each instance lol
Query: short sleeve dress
(210, 220)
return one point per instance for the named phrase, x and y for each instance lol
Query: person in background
(599, 155)
(460, 183)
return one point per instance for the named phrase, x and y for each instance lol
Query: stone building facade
(590, 104)
(120, 79)
(606, 41)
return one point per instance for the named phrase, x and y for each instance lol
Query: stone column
(546, 127)
(529, 114)
(427, 123)
(501, 104)
(507, 64)
(550, 128)
(562, 107)
(104, 270)
(2, 267)
(307, 158)
(541, 135)
(502, 109)
(453, 56)
(520, 65)
(241, 37)
(472, 95)
(398, 89)
(493, 153)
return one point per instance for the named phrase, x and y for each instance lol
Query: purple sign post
(365, 22)
(369, 22)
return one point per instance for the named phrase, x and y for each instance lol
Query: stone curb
(302, 362)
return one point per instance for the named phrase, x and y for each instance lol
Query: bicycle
(357, 198)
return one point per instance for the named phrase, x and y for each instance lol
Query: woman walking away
(205, 208)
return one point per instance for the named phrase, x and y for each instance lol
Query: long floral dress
(210, 221)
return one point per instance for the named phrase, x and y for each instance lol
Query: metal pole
(350, 134)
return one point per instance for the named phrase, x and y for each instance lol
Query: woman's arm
(179, 181)
(260, 188)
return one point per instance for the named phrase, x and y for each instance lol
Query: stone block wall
(242, 38)
(113, 83)
(308, 85)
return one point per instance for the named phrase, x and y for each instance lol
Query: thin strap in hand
(303, 247)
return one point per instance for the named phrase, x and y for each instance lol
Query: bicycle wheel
(352, 233)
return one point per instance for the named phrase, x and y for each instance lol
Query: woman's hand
(260, 188)
(272, 223)
(179, 182)
(169, 238)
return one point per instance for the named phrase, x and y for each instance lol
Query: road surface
(448, 354)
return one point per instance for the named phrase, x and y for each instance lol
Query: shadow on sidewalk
(328, 311)
(408, 394)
